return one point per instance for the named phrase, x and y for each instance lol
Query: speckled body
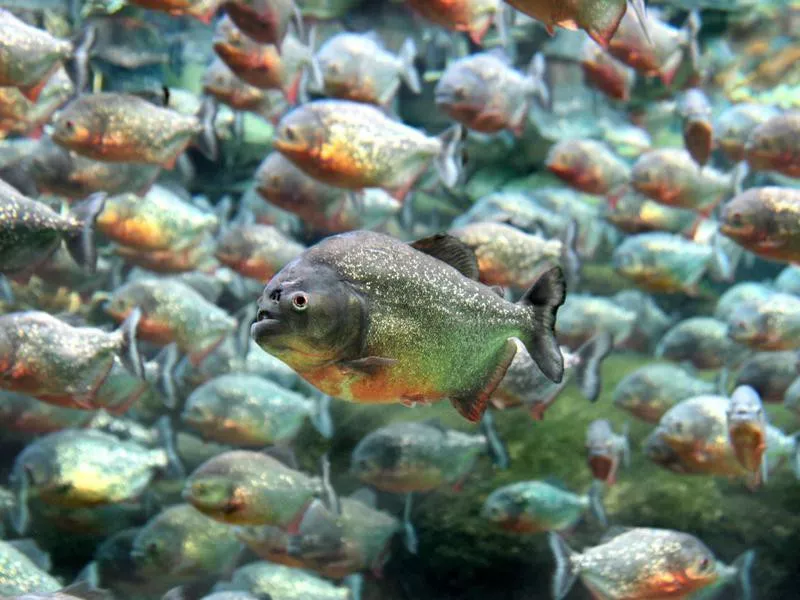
(671, 177)
(354, 145)
(21, 116)
(599, 18)
(250, 488)
(361, 540)
(663, 262)
(265, 21)
(173, 312)
(28, 55)
(588, 166)
(485, 93)
(769, 373)
(179, 544)
(734, 126)
(651, 391)
(630, 46)
(584, 316)
(473, 17)
(534, 507)
(246, 411)
(53, 361)
(766, 221)
(773, 324)
(27, 416)
(415, 457)
(18, 575)
(159, 220)
(257, 251)
(283, 583)
(646, 564)
(223, 84)
(775, 145)
(122, 128)
(322, 207)
(78, 468)
(636, 213)
(507, 256)
(702, 341)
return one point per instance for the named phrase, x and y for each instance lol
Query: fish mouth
(284, 146)
(264, 328)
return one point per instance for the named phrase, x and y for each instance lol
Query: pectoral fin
(369, 365)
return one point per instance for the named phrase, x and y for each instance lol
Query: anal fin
(472, 406)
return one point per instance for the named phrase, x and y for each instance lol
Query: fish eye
(152, 548)
(704, 563)
(460, 93)
(299, 301)
(289, 133)
(679, 427)
(736, 218)
(69, 125)
(334, 68)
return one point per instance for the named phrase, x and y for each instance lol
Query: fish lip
(264, 328)
(284, 146)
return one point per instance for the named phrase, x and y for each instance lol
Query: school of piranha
(276, 275)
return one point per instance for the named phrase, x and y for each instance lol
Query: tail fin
(6, 292)
(587, 371)
(596, 503)
(569, 254)
(495, 446)
(20, 517)
(166, 434)
(743, 565)
(313, 71)
(31, 550)
(411, 542)
(566, 571)
(544, 298)
(447, 163)
(78, 65)
(81, 245)
(738, 175)
(207, 142)
(331, 497)
(537, 72)
(166, 361)
(641, 16)
(409, 73)
(796, 457)
(321, 417)
(129, 352)
(355, 585)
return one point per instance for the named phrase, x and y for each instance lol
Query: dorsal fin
(450, 250)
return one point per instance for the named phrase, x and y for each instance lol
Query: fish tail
(321, 417)
(743, 565)
(537, 72)
(738, 175)
(641, 16)
(355, 585)
(587, 371)
(129, 350)
(6, 292)
(796, 457)
(543, 299)
(503, 23)
(448, 162)
(78, 65)
(410, 534)
(20, 516)
(569, 253)
(409, 73)
(166, 434)
(81, 244)
(566, 569)
(331, 498)
(166, 363)
(596, 503)
(313, 70)
(207, 142)
(494, 445)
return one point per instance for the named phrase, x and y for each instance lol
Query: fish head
(156, 550)
(647, 174)
(657, 450)
(745, 407)
(503, 507)
(746, 324)
(228, 39)
(300, 134)
(461, 91)
(693, 563)
(73, 125)
(212, 494)
(375, 456)
(564, 160)
(745, 218)
(627, 260)
(309, 316)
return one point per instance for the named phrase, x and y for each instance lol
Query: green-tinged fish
(734, 126)
(81, 468)
(702, 341)
(30, 231)
(355, 146)
(747, 431)
(636, 213)
(269, 543)
(668, 263)
(473, 17)
(769, 324)
(485, 93)
(180, 544)
(769, 373)
(53, 361)
(606, 450)
(651, 321)
(279, 582)
(536, 506)
(20, 575)
(172, 311)
(588, 166)
(746, 292)
(256, 251)
(583, 316)
(775, 145)
(694, 109)
(251, 488)
(766, 221)
(159, 220)
(80, 590)
(323, 208)
(639, 564)
(367, 318)
(650, 391)
(414, 457)
(124, 128)
(252, 412)
(29, 417)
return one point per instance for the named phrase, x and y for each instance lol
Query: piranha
(256, 251)
(537, 506)
(588, 166)
(21, 570)
(485, 93)
(333, 313)
(20, 116)
(788, 280)
(250, 411)
(117, 127)
(701, 341)
(25, 416)
(265, 21)
(694, 109)
(224, 85)
(650, 391)
(605, 73)
(353, 145)
(747, 431)
(670, 176)
(769, 373)
(633, 212)
(764, 220)
(269, 543)
(323, 208)
(242, 487)
(770, 324)
(584, 316)
(202, 10)
(53, 361)
(193, 257)
(734, 126)
(473, 17)
(641, 564)
(599, 18)
(606, 450)
(31, 232)
(265, 579)
(775, 145)
(421, 456)
(356, 66)
(744, 293)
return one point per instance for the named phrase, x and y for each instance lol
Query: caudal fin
(537, 74)
(81, 244)
(566, 571)
(321, 417)
(409, 73)
(164, 377)
(20, 516)
(544, 298)
(77, 66)
(569, 254)
(448, 163)
(743, 565)
(166, 434)
(596, 503)
(129, 352)
(410, 534)
(207, 142)
(494, 444)
(591, 356)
